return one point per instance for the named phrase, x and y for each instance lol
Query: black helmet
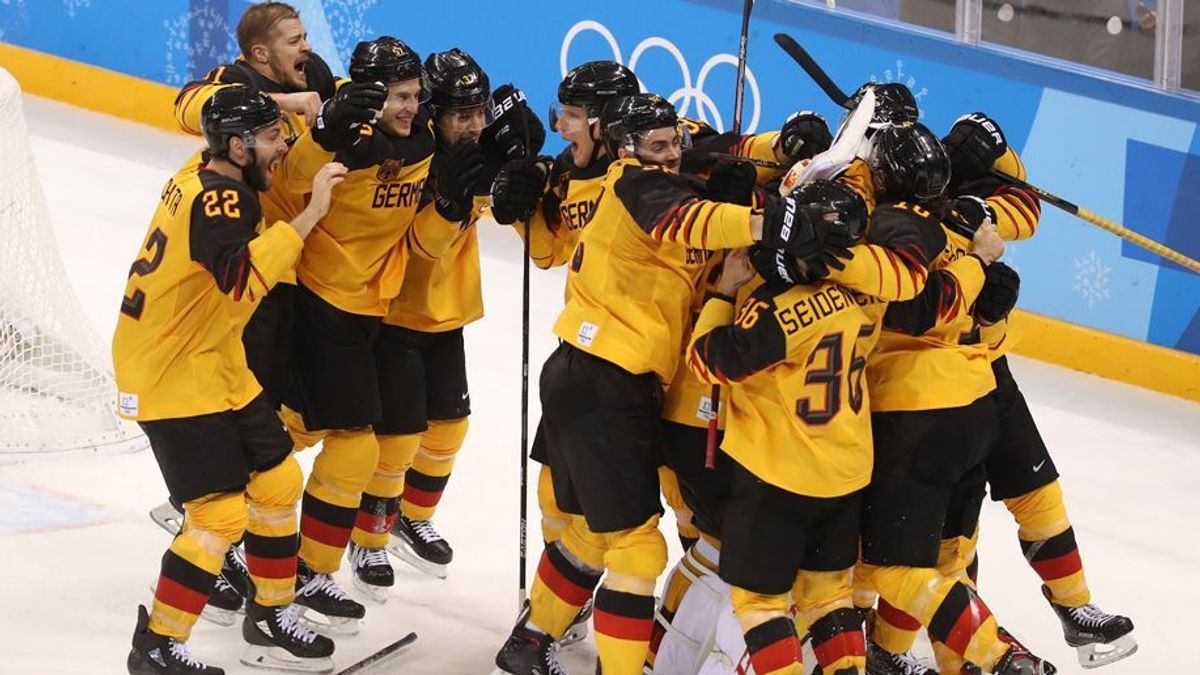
(236, 110)
(909, 162)
(591, 85)
(894, 103)
(625, 118)
(387, 60)
(456, 80)
(831, 196)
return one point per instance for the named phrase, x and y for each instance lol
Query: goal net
(56, 385)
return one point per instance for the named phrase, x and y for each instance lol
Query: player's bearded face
(288, 54)
(456, 124)
(662, 146)
(401, 107)
(571, 122)
(270, 147)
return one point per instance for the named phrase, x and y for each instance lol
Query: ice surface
(78, 551)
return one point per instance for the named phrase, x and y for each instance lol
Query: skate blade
(397, 547)
(1100, 654)
(219, 616)
(329, 626)
(577, 633)
(278, 658)
(165, 516)
(377, 594)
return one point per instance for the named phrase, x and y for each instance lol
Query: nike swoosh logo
(1038, 467)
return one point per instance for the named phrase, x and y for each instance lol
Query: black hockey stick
(764, 163)
(524, 508)
(739, 90)
(818, 74)
(380, 656)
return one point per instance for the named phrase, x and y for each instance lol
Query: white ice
(78, 553)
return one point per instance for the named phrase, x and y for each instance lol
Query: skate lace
(179, 650)
(238, 557)
(370, 557)
(323, 583)
(424, 530)
(909, 664)
(553, 667)
(289, 623)
(1090, 615)
(223, 584)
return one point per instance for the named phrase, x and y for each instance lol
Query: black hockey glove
(731, 182)
(968, 213)
(354, 104)
(518, 188)
(999, 293)
(452, 173)
(973, 144)
(512, 123)
(804, 135)
(805, 231)
(775, 265)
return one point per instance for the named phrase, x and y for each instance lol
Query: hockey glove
(804, 135)
(804, 230)
(973, 144)
(774, 265)
(452, 173)
(1001, 287)
(354, 104)
(518, 188)
(512, 123)
(731, 182)
(968, 213)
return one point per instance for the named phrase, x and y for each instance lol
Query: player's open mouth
(300, 65)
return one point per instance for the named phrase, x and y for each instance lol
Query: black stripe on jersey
(187, 574)
(769, 632)
(833, 624)
(568, 570)
(1048, 549)
(225, 216)
(335, 516)
(655, 198)
(425, 482)
(917, 238)
(939, 298)
(953, 605)
(381, 506)
(733, 353)
(376, 146)
(272, 547)
(625, 604)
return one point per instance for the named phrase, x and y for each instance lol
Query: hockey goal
(56, 386)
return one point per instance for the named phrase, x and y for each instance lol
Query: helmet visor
(566, 119)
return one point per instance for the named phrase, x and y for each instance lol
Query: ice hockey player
(619, 346)
(218, 442)
(425, 396)
(351, 268)
(933, 420)
(1019, 469)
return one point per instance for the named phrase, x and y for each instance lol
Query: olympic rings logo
(690, 92)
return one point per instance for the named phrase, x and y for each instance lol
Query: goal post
(56, 385)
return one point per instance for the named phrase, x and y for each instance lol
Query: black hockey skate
(1020, 661)
(1089, 628)
(225, 601)
(528, 652)
(373, 574)
(418, 544)
(578, 630)
(277, 640)
(882, 662)
(327, 608)
(155, 654)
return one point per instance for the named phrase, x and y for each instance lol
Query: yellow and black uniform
(207, 260)
(630, 287)
(799, 432)
(268, 337)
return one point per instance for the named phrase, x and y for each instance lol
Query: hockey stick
(380, 656)
(818, 74)
(1103, 223)
(739, 90)
(524, 508)
(764, 163)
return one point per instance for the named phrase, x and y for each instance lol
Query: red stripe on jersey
(878, 264)
(420, 497)
(561, 586)
(271, 568)
(840, 645)
(1058, 568)
(891, 257)
(896, 617)
(967, 625)
(622, 627)
(175, 594)
(324, 533)
(372, 522)
(777, 656)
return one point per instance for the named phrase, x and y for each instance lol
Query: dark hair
(256, 24)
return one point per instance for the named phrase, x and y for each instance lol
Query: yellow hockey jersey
(566, 208)
(636, 267)
(792, 362)
(203, 267)
(354, 258)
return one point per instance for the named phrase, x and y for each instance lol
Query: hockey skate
(373, 574)
(882, 662)
(276, 640)
(1020, 661)
(528, 652)
(418, 544)
(166, 516)
(1099, 638)
(154, 654)
(578, 630)
(326, 608)
(225, 601)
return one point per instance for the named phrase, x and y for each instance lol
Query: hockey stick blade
(818, 75)
(379, 657)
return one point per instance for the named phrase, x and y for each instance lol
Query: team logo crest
(389, 170)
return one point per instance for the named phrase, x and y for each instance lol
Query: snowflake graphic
(897, 74)
(213, 39)
(1091, 278)
(74, 6)
(347, 25)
